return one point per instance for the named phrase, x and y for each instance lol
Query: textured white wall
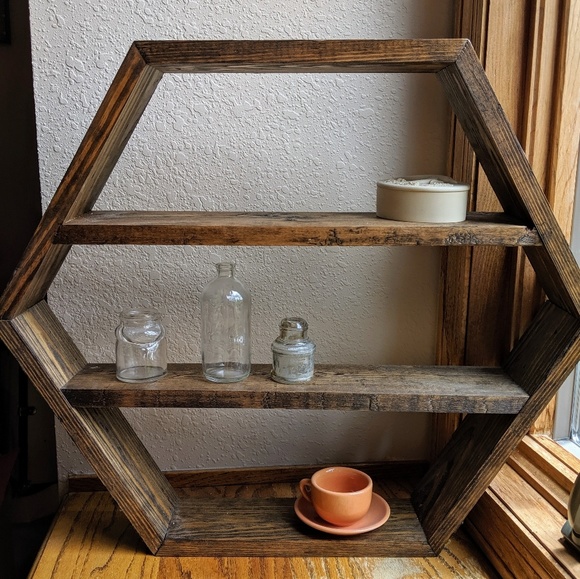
(256, 142)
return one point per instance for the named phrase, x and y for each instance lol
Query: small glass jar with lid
(293, 353)
(141, 349)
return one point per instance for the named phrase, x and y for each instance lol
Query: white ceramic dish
(423, 198)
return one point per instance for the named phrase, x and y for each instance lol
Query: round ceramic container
(424, 198)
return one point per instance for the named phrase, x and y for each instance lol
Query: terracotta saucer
(377, 515)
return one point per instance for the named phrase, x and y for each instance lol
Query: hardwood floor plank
(91, 537)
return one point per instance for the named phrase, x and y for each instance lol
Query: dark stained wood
(539, 363)
(49, 357)
(375, 388)
(390, 474)
(130, 92)
(262, 228)
(459, 289)
(269, 527)
(129, 472)
(511, 176)
(300, 55)
(91, 537)
(44, 351)
(89, 170)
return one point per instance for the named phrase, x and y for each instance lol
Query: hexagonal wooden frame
(502, 403)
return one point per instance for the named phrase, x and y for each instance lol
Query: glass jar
(141, 346)
(225, 327)
(293, 353)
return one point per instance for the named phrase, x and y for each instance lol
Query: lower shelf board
(91, 537)
(258, 527)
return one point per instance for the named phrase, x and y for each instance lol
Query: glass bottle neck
(225, 269)
(139, 316)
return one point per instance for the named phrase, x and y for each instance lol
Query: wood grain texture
(92, 537)
(538, 364)
(541, 526)
(490, 288)
(396, 477)
(534, 104)
(129, 473)
(561, 470)
(557, 452)
(269, 527)
(510, 175)
(481, 445)
(89, 170)
(300, 55)
(515, 550)
(374, 388)
(556, 37)
(526, 507)
(261, 228)
(49, 357)
(551, 491)
(456, 261)
(561, 29)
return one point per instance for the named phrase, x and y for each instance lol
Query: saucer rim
(323, 526)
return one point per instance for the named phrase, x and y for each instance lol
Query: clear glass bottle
(225, 327)
(141, 349)
(293, 353)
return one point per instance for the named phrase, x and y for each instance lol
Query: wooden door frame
(539, 89)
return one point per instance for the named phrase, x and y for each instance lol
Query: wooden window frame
(539, 88)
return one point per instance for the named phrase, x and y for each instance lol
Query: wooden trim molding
(539, 89)
(525, 506)
(526, 502)
(558, 152)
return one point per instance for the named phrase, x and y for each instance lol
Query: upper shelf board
(454, 63)
(260, 228)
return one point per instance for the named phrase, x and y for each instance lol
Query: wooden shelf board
(258, 527)
(378, 388)
(290, 56)
(263, 228)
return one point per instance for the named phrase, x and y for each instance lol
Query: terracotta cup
(340, 495)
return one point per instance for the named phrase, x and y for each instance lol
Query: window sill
(570, 446)
(526, 506)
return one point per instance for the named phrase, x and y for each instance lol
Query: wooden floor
(92, 538)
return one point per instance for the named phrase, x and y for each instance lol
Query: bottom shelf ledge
(258, 527)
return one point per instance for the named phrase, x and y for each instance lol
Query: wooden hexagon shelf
(501, 403)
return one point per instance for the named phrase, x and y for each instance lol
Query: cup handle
(305, 488)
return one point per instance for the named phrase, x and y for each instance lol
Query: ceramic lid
(425, 183)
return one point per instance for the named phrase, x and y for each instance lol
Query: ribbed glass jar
(293, 353)
(141, 348)
(225, 327)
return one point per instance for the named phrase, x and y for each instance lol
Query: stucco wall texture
(269, 142)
